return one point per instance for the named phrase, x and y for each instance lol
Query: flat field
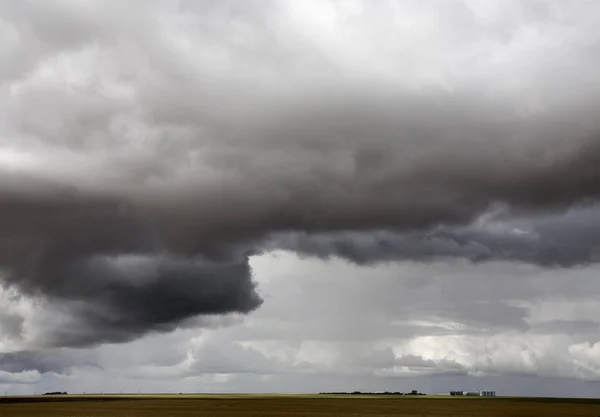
(291, 405)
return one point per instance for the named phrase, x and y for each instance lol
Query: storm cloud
(565, 240)
(148, 151)
(108, 271)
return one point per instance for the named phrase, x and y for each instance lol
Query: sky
(300, 196)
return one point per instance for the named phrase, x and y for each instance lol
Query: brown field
(290, 405)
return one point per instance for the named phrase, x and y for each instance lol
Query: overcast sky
(300, 196)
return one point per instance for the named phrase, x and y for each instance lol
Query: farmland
(290, 405)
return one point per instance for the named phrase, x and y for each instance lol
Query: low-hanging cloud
(106, 271)
(134, 187)
(57, 361)
(566, 240)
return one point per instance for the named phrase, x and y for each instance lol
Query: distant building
(481, 393)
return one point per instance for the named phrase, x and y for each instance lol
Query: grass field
(290, 405)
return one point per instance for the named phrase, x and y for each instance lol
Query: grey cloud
(361, 358)
(12, 379)
(11, 324)
(562, 240)
(56, 361)
(117, 303)
(171, 148)
(571, 327)
(156, 300)
(108, 271)
(416, 361)
(225, 358)
(45, 29)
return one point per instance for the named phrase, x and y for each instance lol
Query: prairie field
(290, 405)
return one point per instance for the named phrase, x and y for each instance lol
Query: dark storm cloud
(560, 240)
(131, 198)
(362, 162)
(109, 272)
(124, 298)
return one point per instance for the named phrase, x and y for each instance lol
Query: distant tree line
(413, 392)
(55, 393)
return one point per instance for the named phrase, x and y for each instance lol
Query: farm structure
(481, 393)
